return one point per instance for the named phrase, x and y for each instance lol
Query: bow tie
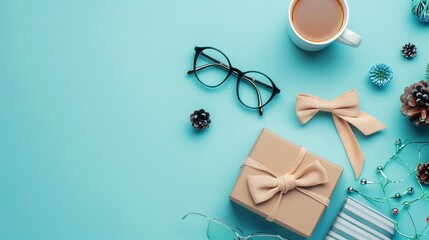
(345, 111)
(264, 187)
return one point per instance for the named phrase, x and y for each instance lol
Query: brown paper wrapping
(297, 211)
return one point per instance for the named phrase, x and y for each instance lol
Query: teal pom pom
(380, 74)
(420, 8)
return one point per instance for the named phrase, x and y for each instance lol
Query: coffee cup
(314, 24)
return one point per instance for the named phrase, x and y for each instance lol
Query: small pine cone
(415, 103)
(423, 173)
(409, 50)
(200, 119)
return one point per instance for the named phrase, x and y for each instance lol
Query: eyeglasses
(254, 89)
(220, 230)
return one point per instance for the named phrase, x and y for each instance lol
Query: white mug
(344, 35)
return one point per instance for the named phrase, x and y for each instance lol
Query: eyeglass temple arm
(229, 225)
(264, 234)
(222, 65)
(192, 213)
(258, 93)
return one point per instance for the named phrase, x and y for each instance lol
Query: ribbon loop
(345, 111)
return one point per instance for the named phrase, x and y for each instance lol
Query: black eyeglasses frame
(241, 76)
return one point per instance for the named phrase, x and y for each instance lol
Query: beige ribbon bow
(345, 110)
(264, 187)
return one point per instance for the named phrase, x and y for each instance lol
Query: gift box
(284, 173)
(357, 221)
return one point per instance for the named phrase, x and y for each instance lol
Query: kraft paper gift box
(358, 221)
(296, 211)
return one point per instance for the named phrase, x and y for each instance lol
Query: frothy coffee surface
(317, 20)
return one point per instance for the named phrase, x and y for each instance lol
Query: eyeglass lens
(213, 67)
(250, 85)
(217, 231)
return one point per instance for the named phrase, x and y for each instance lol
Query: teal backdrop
(95, 138)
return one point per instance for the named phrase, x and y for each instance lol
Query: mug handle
(350, 38)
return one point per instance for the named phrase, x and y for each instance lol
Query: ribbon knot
(264, 187)
(286, 183)
(345, 111)
(326, 106)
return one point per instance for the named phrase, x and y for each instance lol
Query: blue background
(95, 139)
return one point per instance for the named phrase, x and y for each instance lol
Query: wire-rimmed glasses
(254, 89)
(220, 230)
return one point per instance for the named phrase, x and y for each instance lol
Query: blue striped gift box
(357, 221)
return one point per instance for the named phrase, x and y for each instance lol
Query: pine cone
(200, 119)
(415, 103)
(423, 173)
(409, 50)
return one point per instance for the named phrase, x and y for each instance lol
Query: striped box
(357, 221)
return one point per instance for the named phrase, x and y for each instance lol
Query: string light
(396, 202)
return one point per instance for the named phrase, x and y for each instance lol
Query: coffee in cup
(314, 24)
